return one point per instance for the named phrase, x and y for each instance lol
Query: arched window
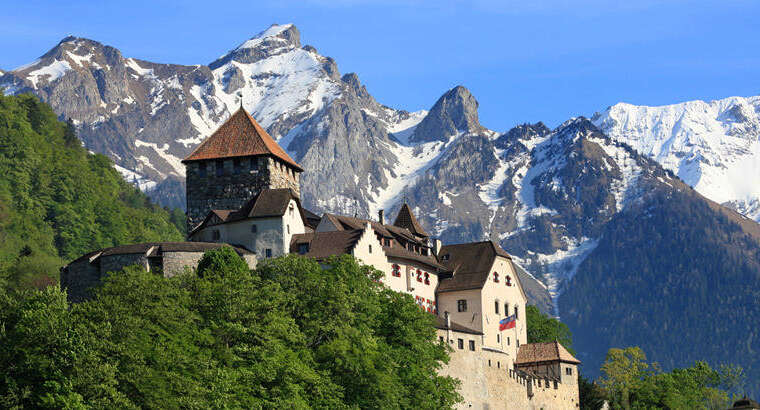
(427, 278)
(496, 277)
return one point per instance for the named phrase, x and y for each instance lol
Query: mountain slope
(57, 201)
(713, 146)
(553, 198)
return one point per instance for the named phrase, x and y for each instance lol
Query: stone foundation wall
(497, 386)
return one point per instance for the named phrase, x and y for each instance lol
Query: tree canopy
(58, 201)
(290, 334)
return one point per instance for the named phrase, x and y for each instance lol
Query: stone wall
(489, 383)
(78, 278)
(232, 190)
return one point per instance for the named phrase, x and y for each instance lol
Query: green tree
(58, 201)
(542, 328)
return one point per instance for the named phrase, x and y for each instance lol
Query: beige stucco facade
(258, 234)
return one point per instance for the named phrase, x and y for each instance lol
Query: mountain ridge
(548, 196)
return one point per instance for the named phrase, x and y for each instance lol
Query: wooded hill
(58, 201)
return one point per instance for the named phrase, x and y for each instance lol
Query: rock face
(713, 146)
(455, 112)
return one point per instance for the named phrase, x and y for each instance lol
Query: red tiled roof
(544, 352)
(240, 136)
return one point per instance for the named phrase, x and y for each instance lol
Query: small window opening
(460, 343)
(303, 248)
(462, 305)
(472, 345)
(219, 168)
(268, 252)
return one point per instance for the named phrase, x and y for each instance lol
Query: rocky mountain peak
(522, 132)
(455, 112)
(277, 39)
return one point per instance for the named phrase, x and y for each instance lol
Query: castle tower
(232, 165)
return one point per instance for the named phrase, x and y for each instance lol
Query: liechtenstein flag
(508, 322)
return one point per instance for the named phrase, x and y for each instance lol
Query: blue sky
(524, 61)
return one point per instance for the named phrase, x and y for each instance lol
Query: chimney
(381, 217)
(436, 246)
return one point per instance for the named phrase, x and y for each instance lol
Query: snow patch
(53, 71)
(176, 163)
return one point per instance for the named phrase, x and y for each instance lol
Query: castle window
(472, 345)
(507, 340)
(219, 167)
(462, 305)
(370, 248)
(202, 170)
(498, 365)
(291, 210)
(419, 275)
(237, 166)
(568, 371)
(489, 362)
(460, 344)
(396, 270)
(215, 235)
(268, 252)
(303, 248)
(496, 307)
(506, 309)
(555, 385)
(496, 277)
(287, 227)
(387, 242)
(517, 311)
(427, 278)
(440, 338)
(498, 338)
(508, 280)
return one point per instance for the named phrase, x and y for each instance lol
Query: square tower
(236, 162)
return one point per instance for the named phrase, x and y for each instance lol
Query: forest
(58, 201)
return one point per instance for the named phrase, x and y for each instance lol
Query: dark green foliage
(57, 201)
(288, 335)
(591, 396)
(222, 261)
(542, 328)
(630, 382)
(691, 292)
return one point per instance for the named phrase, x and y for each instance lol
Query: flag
(507, 323)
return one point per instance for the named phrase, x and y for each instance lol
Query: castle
(243, 190)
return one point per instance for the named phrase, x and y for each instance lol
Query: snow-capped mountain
(713, 146)
(579, 207)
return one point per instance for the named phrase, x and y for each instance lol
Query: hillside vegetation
(289, 335)
(57, 201)
(691, 292)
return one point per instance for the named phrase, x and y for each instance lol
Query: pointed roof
(406, 219)
(240, 136)
(544, 352)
